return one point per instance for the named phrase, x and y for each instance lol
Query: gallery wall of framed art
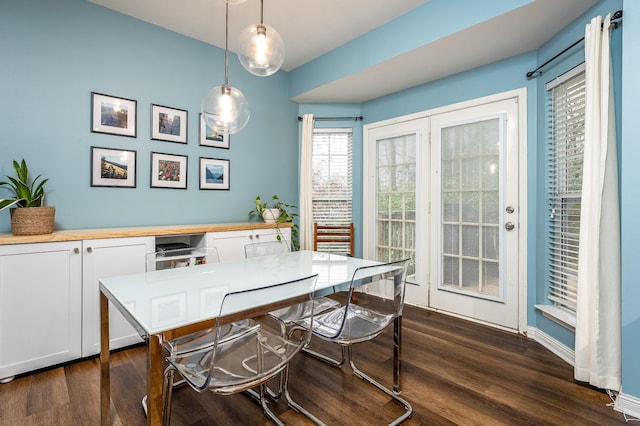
(116, 166)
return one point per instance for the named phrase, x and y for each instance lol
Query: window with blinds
(332, 176)
(566, 112)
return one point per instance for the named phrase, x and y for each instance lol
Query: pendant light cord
(261, 12)
(226, 46)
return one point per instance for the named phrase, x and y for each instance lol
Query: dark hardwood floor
(454, 373)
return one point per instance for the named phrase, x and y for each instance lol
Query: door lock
(510, 209)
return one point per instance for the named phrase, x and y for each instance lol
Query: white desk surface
(172, 298)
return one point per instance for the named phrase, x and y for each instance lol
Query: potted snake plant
(29, 215)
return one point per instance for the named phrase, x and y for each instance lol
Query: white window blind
(566, 103)
(332, 176)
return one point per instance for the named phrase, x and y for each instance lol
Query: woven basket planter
(32, 220)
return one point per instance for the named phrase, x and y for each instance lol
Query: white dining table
(170, 303)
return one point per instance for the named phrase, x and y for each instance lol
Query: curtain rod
(537, 73)
(358, 118)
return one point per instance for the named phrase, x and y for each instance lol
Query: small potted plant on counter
(29, 215)
(276, 211)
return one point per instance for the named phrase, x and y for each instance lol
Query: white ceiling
(311, 28)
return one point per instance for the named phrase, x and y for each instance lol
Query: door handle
(509, 226)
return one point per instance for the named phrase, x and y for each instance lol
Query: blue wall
(571, 59)
(54, 54)
(630, 200)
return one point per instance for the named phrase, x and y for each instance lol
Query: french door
(446, 189)
(393, 215)
(475, 225)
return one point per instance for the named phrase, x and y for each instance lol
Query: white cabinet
(230, 244)
(40, 305)
(103, 258)
(50, 296)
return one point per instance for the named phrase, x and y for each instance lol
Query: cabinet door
(105, 258)
(230, 244)
(40, 306)
(264, 235)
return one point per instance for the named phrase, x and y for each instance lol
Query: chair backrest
(334, 238)
(266, 248)
(375, 299)
(181, 257)
(247, 349)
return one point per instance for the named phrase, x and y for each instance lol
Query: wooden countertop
(138, 231)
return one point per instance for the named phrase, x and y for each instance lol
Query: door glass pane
(490, 172)
(450, 239)
(470, 184)
(450, 174)
(490, 207)
(470, 169)
(450, 271)
(491, 279)
(470, 272)
(470, 207)
(490, 235)
(470, 241)
(396, 199)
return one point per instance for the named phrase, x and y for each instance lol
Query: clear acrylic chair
(266, 248)
(321, 304)
(169, 258)
(379, 291)
(290, 313)
(233, 356)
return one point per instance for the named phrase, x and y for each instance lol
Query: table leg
(155, 365)
(397, 353)
(105, 379)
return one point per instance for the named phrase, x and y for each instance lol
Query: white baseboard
(627, 404)
(565, 353)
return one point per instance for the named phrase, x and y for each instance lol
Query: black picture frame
(111, 167)
(210, 138)
(168, 124)
(215, 174)
(168, 170)
(113, 115)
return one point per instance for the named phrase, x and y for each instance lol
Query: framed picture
(214, 173)
(168, 171)
(168, 124)
(209, 137)
(113, 167)
(112, 115)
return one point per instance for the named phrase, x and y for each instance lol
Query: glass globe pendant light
(224, 108)
(261, 49)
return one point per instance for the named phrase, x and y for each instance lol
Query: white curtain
(598, 315)
(305, 210)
